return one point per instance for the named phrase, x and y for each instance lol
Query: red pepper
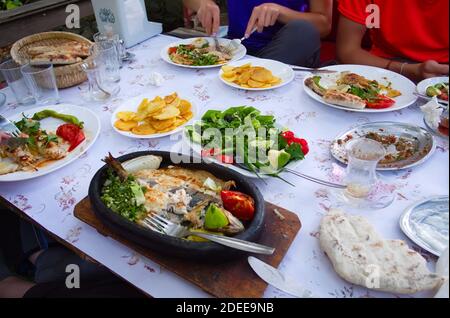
(72, 134)
(239, 204)
(380, 102)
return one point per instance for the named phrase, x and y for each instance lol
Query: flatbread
(344, 99)
(75, 50)
(360, 256)
(55, 58)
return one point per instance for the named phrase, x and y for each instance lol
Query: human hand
(431, 69)
(263, 16)
(209, 16)
(4, 136)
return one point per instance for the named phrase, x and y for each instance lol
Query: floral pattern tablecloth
(50, 200)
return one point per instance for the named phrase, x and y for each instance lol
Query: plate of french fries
(154, 117)
(256, 74)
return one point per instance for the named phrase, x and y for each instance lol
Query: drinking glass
(364, 189)
(16, 81)
(101, 87)
(100, 38)
(105, 56)
(42, 81)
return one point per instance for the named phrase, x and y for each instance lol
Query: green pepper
(51, 113)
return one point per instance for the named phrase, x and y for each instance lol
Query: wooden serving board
(233, 279)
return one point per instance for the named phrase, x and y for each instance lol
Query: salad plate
(200, 53)
(436, 86)
(385, 81)
(282, 149)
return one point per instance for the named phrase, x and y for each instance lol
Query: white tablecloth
(50, 200)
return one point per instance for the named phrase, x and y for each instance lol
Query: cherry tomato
(239, 204)
(288, 135)
(173, 50)
(72, 134)
(305, 146)
(380, 102)
(225, 159)
(210, 152)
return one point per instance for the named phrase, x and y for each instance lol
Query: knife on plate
(274, 277)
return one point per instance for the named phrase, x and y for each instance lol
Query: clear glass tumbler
(42, 81)
(364, 188)
(101, 38)
(101, 87)
(11, 71)
(105, 56)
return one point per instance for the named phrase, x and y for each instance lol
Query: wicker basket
(66, 75)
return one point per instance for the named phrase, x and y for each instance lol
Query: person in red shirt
(410, 37)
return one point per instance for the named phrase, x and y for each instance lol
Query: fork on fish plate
(162, 225)
(8, 127)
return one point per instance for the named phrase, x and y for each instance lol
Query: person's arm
(267, 14)
(208, 13)
(350, 51)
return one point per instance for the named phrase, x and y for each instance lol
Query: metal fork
(8, 127)
(235, 43)
(304, 176)
(162, 225)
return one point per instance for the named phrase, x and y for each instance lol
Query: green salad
(244, 135)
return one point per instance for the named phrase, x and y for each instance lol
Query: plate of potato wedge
(155, 117)
(256, 74)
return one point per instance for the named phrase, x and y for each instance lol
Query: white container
(128, 18)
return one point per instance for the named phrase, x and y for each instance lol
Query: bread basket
(66, 75)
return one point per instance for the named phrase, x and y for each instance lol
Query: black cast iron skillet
(170, 245)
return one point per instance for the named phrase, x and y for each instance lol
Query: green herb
(124, 198)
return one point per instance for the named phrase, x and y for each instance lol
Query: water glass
(42, 81)
(11, 71)
(101, 87)
(115, 40)
(105, 56)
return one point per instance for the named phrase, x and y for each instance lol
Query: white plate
(278, 69)
(237, 54)
(422, 86)
(133, 104)
(91, 130)
(399, 82)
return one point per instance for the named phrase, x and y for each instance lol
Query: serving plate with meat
(406, 145)
(361, 88)
(202, 53)
(51, 138)
(207, 198)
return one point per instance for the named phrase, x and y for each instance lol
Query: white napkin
(442, 269)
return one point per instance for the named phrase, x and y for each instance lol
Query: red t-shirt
(417, 30)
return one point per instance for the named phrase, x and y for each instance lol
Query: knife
(312, 70)
(274, 277)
